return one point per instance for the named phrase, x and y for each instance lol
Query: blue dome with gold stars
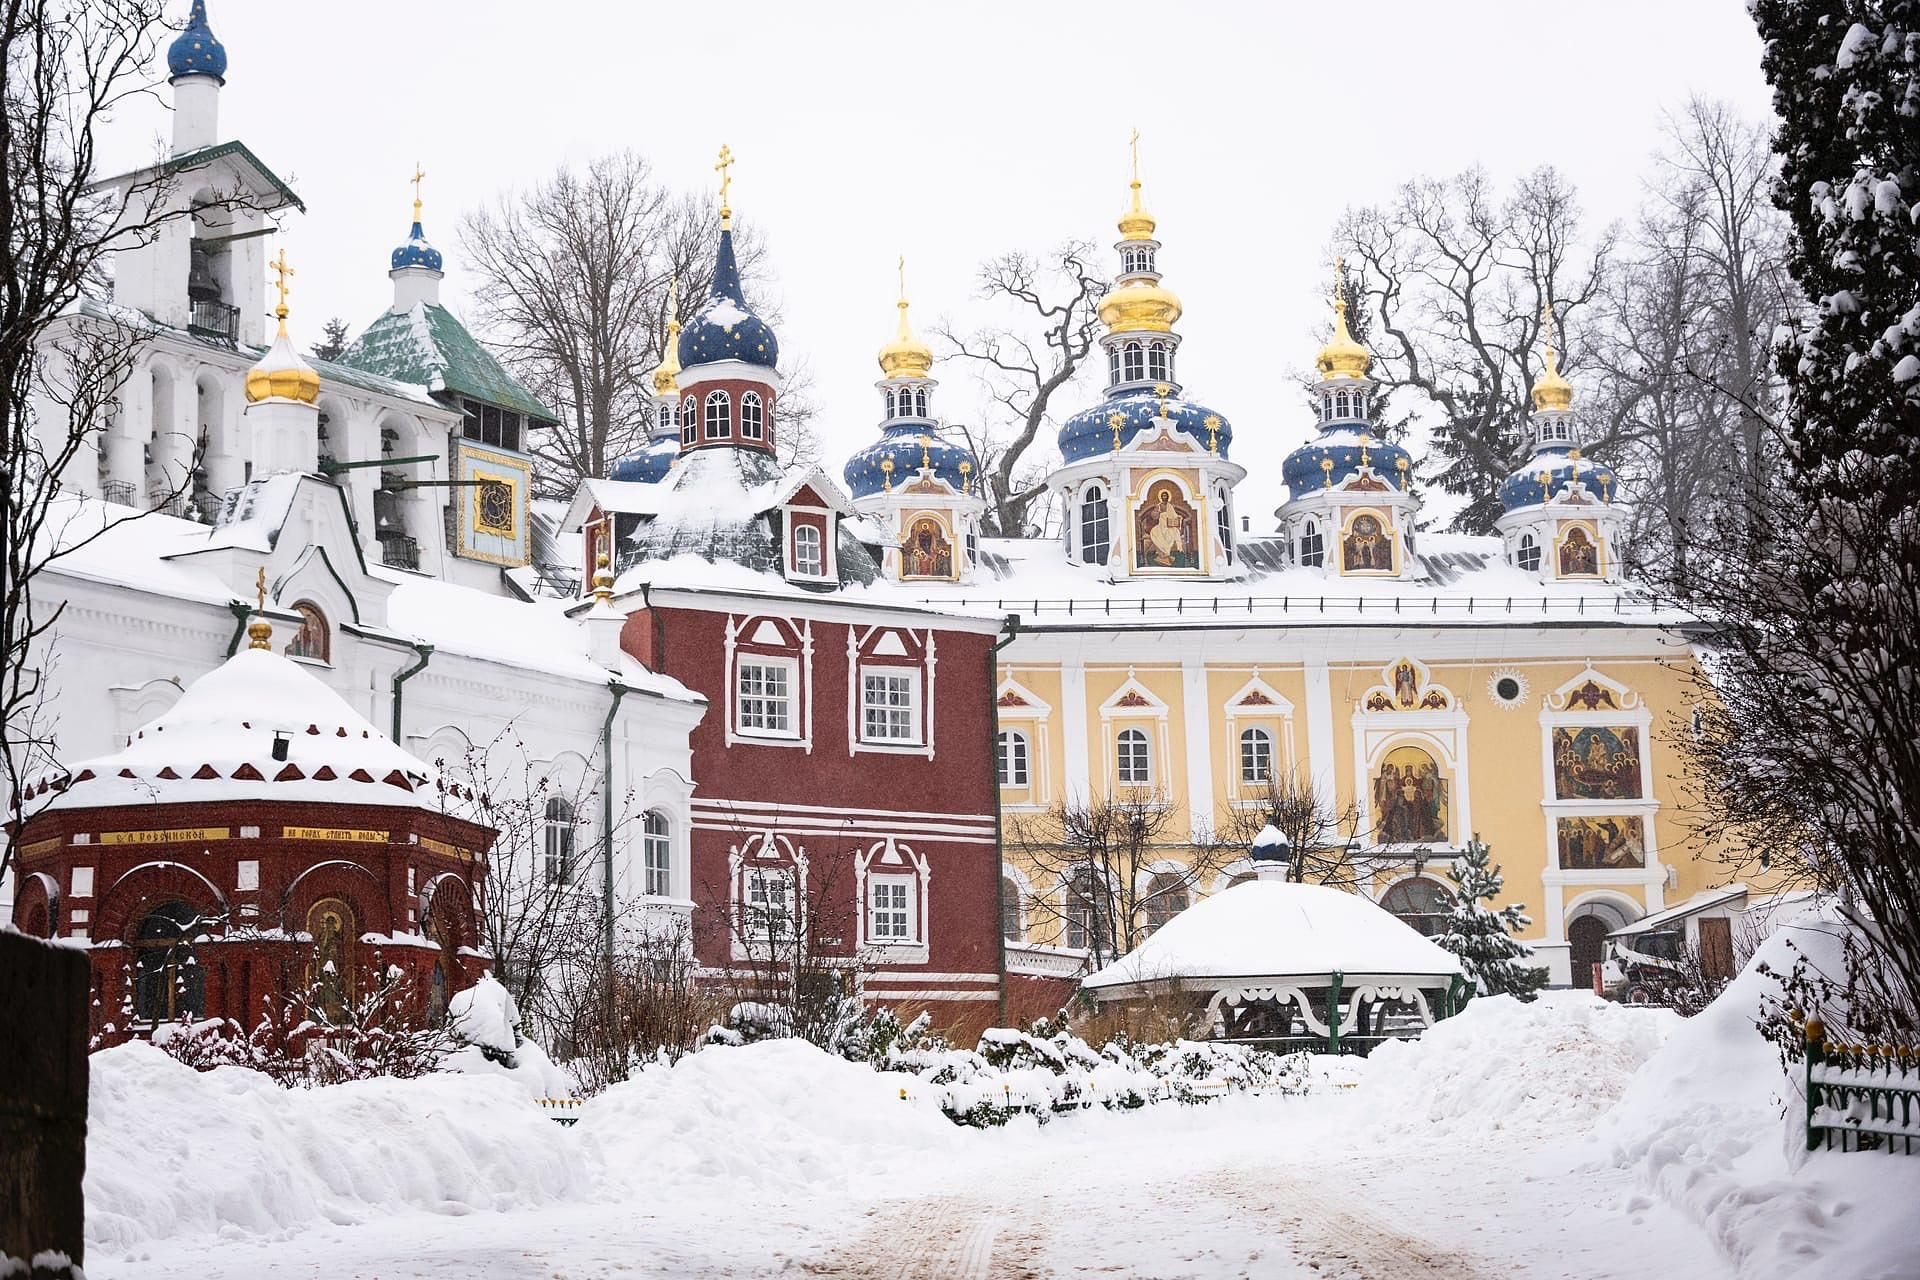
(1348, 447)
(194, 52)
(723, 328)
(416, 252)
(648, 463)
(901, 443)
(1561, 465)
(1090, 433)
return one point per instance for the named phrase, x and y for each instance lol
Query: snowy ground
(1563, 1139)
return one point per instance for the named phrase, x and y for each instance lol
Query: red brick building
(259, 839)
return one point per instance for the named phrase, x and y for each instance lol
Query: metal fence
(1861, 1098)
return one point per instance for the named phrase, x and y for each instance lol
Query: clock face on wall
(494, 508)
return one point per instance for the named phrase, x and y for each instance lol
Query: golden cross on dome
(1116, 420)
(1162, 390)
(1365, 460)
(1133, 144)
(280, 268)
(726, 183)
(1212, 424)
(900, 266)
(260, 590)
(926, 460)
(418, 174)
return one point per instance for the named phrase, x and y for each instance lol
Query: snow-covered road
(1277, 1187)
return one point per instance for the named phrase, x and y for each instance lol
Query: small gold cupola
(1552, 393)
(666, 375)
(906, 356)
(1342, 357)
(281, 374)
(1138, 302)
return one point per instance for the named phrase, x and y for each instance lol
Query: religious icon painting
(1603, 844)
(1367, 546)
(928, 552)
(1596, 764)
(1165, 531)
(1410, 799)
(1579, 554)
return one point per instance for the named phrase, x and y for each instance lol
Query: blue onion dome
(1090, 433)
(416, 252)
(647, 464)
(1551, 471)
(909, 446)
(194, 52)
(1341, 451)
(723, 328)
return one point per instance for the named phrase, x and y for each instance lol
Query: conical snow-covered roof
(1267, 930)
(217, 744)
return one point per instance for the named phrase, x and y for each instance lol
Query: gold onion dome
(281, 374)
(1139, 305)
(1342, 357)
(905, 356)
(666, 375)
(1551, 392)
(1136, 223)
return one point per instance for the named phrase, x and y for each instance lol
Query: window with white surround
(657, 851)
(1157, 361)
(1313, 547)
(752, 417)
(1529, 553)
(1256, 756)
(1223, 520)
(718, 425)
(1010, 749)
(1134, 758)
(559, 838)
(689, 421)
(1093, 525)
(892, 914)
(1133, 361)
(763, 697)
(767, 905)
(809, 559)
(889, 705)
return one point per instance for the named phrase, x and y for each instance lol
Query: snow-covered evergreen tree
(1482, 935)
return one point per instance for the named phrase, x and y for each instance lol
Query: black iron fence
(1861, 1098)
(214, 320)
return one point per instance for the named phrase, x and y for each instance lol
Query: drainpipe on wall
(241, 611)
(619, 691)
(993, 765)
(425, 651)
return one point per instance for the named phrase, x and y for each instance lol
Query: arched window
(314, 639)
(1166, 897)
(718, 424)
(559, 836)
(752, 417)
(167, 981)
(1133, 363)
(919, 402)
(1085, 919)
(1113, 364)
(1135, 760)
(893, 403)
(666, 416)
(657, 851)
(1012, 925)
(330, 968)
(1157, 361)
(807, 560)
(1093, 525)
(1223, 520)
(1313, 548)
(1529, 557)
(1010, 750)
(689, 421)
(1256, 756)
(1425, 904)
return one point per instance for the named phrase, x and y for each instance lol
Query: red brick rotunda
(260, 839)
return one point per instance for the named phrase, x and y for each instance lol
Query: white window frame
(915, 732)
(1529, 549)
(1247, 737)
(756, 927)
(560, 840)
(773, 662)
(690, 421)
(816, 543)
(1121, 746)
(1091, 494)
(752, 415)
(723, 402)
(1013, 759)
(903, 908)
(656, 859)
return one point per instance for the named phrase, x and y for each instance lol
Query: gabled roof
(427, 344)
(199, 159)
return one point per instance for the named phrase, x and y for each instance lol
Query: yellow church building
(1428, 686)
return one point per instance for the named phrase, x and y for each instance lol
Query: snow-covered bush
(486, 1017)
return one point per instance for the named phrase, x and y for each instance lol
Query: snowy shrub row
(1049, 1070)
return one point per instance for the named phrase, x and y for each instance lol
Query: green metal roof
(206, 155)
(428, 346)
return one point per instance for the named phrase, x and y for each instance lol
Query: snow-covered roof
(217, 744)
(1705, 900)
(1269, 930)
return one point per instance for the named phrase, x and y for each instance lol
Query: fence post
(1816, 1043)
(1333, 1013)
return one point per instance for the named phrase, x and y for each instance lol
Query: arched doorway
(1586, 946)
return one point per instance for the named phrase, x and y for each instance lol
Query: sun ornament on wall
(1508, 687)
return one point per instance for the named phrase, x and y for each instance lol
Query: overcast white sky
(954, 132)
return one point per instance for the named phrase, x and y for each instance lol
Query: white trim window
(1133, 758)
(1011, 756)
(719, 415)
(1093, 525)
(1529, 556)
(764, 697)
(689, 421)
(1256, 756)
(1313, 547)
(560, 824)
(752, 419)
(809, 557)
(767, 904)
(893, 916)
(657, 853)
(890, 705)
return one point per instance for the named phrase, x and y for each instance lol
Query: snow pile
(1530, 1071)
(1713, 1126)
(779, 1115)
(176, 1152)
(485, 1023)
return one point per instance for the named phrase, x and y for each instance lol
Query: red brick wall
(735, 388)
